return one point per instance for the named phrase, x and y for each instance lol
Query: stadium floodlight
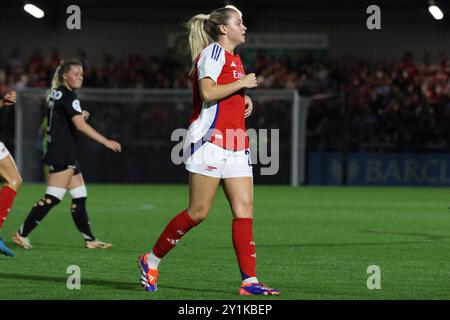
(435, 11)
(33, 10)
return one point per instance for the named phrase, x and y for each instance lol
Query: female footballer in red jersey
(216, 148)
(9, 172)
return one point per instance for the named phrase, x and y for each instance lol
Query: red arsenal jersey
(220, 122)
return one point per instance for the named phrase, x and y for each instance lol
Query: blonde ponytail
(55, 81)
(198, 38)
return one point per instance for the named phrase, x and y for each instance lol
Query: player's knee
(51, 200)
(198, 213)
(48, 201)
(15, 183)
(243, 208)
(41, 202)
(19, 182)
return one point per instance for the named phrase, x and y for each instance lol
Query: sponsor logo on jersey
(238, 75)
(76, 105)
(56, 95)
(233, 64)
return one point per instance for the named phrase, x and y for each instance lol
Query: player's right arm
(73, 111)
(90, 132)
(209, 68)
(210, 91)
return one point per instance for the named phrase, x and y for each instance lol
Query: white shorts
(213, 161)
(3, 151)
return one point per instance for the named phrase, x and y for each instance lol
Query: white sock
(153, 261)
(250, 280)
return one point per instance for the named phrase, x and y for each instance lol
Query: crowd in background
(382, 105)
(397, 105)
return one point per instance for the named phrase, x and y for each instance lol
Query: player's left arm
(248, 106)
(9, 99)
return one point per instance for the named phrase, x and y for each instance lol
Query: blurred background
(353, 106)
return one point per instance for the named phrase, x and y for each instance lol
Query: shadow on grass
(327, 245)
(120, 285)
(426, 239)
(47, 246)
(426, 236)
(63, 280)
(196, 289)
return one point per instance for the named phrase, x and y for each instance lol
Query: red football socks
(7, 196)
(244, 246)
(242, 231)
(176, 228)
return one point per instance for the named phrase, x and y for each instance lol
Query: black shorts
(54, 168)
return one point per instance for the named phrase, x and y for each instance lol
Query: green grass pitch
(311, 242)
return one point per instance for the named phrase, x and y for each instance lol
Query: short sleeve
(72, 105)
(211, 62)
